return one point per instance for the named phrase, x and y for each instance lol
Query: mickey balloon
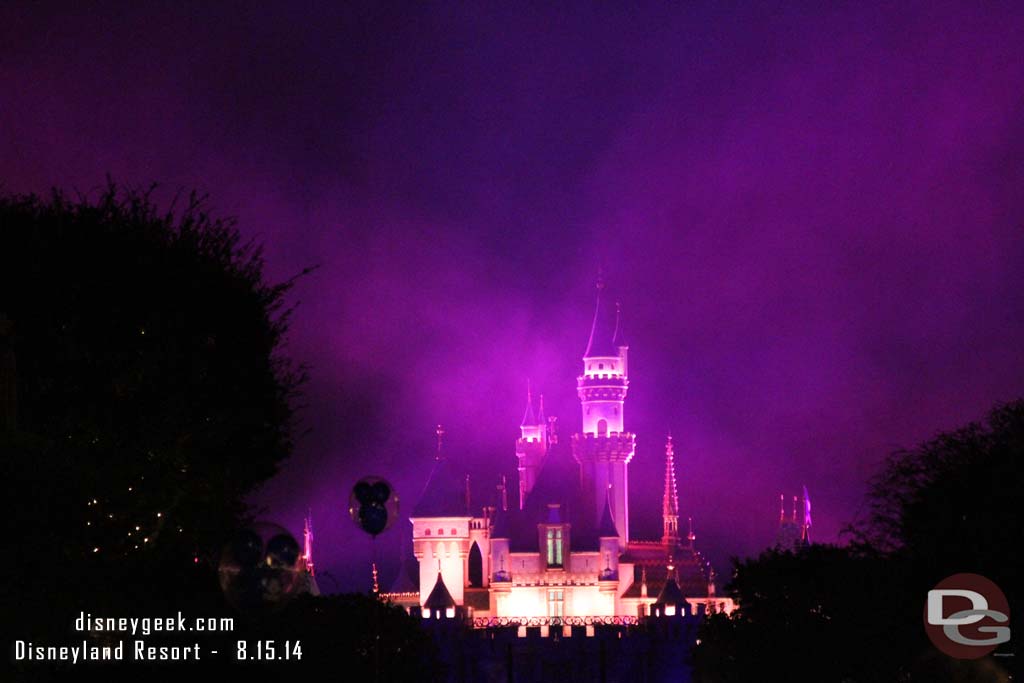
(373, 505)
(259, 568)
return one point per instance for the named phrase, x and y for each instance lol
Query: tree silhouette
(855, 613)
(152, 394)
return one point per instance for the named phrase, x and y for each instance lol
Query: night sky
(812, 216)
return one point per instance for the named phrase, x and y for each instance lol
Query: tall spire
(670, 500)
(529, 418)
(307, 544)
(805, 533)
(602, 330)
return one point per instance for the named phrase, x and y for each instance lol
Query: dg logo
(967, 616)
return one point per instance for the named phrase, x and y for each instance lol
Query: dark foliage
(855, 613)
(152, 392)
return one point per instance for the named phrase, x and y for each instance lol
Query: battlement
(614, 447)
(606, 379)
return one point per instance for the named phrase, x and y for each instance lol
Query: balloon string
(373, 564)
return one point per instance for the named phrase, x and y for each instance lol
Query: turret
(531, 447)
(604, 448)
(441, 526)
(602, 386)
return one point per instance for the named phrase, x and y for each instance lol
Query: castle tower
(531, 446)
(441, 527)
(604, 448)
(670, 500)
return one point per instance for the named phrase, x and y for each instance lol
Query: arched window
(602, 427)
(476, 567)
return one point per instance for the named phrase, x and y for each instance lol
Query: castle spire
(602, 330)
(670, 500)
(604, 446)
(529, 418)
(307, 544)
(805, 533)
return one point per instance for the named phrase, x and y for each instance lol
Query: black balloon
(373, 505)
(259, 568)
(282, 551)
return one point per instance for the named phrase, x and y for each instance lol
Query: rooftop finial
(440, 440)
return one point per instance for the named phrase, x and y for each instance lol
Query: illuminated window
(602, 427)
(555, 547)
(426, 532)
(453, 532)
(440, 532)
(556, 603)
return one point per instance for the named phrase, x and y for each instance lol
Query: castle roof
(690, 576)
(502, 524)
(444, 494)
(439, 598)
(408, 577)
(603, 330)
(670, 593)
(557, 482)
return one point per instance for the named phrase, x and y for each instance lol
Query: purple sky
(813, 217)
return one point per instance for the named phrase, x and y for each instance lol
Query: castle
(558, 545)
